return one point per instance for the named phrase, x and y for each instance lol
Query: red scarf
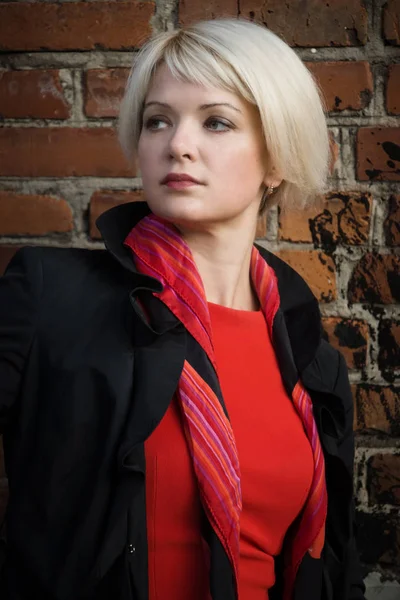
(160, 252)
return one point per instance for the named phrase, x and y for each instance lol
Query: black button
(131, 549)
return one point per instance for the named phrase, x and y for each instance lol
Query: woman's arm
(346, 453)
(20, 291)
(327, 380)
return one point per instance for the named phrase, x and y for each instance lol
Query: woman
(174, 426)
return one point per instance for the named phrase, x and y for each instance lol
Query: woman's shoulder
(56, 256)
(58, 263)
(59, 290)
(62, 276)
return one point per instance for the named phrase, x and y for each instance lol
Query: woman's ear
(272, 175)
(272, 178)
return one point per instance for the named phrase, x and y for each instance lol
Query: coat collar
(298, 304)
(300, 311)
(114, 226)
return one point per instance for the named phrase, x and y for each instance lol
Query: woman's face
(210, 135)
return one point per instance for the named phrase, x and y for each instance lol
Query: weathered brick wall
(62, 75)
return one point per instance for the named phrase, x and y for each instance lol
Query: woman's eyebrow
(201, 107)
(147, 104)
(213, 104)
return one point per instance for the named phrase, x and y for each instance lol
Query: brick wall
(62, 75)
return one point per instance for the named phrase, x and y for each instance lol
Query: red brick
(74, 25)
(389, 344)
(190, 11)
(375, 279)
(6, 254)
(32, 94)
(378, 409)
(33, 215)
(391, 22)
(318, 270)
(345, 85)
(350, 336)
(378, 153)
(393, 90)
(295, 226)
(102, 200)
(383, 479)
(391, 225)
(104, 89)
(61, 152)
(315, 23)
(344, 218)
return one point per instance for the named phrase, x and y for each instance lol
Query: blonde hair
(250, 60)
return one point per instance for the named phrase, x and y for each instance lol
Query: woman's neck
(223, 260)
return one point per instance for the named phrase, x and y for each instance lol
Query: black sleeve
(20, 290)
(346, 453)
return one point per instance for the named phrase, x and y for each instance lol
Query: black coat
(84, 380)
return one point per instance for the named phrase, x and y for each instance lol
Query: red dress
(275, 460)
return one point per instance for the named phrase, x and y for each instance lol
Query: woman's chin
(179, 210)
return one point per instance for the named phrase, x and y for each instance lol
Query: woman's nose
(182, 143)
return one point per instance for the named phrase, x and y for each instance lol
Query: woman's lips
(180, 185)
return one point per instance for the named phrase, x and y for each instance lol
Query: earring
(268, 192)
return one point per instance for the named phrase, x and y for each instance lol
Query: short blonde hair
(249, 60)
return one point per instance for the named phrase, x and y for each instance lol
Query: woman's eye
(155, 123)
(218, 124)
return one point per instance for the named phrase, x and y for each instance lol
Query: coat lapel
(158, 338)
(157, 369)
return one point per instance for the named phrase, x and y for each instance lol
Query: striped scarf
(160, 252)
